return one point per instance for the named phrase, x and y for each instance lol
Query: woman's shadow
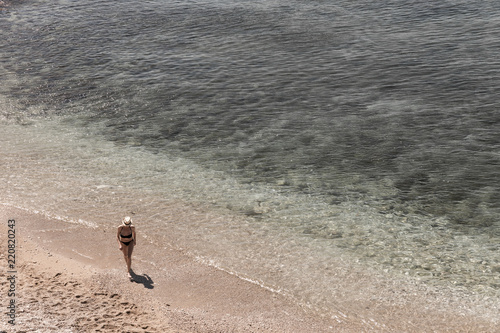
(143, 279)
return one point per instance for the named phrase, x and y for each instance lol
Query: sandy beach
(71, 278)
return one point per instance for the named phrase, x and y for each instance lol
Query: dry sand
(71, 278)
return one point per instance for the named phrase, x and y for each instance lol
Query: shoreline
(72, 278)
(187, 296)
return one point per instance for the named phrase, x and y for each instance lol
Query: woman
(126, 240)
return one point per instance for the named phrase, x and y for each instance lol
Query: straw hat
(127, 220)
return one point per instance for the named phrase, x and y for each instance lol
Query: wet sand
(72, 278)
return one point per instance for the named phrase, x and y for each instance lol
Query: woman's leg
(125, 250)
(130, 250)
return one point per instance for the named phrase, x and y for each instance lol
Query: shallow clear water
(298, 136)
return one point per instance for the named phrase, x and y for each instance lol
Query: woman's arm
(118, 233)
(133, 235)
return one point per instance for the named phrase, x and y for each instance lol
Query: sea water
(286, 142)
